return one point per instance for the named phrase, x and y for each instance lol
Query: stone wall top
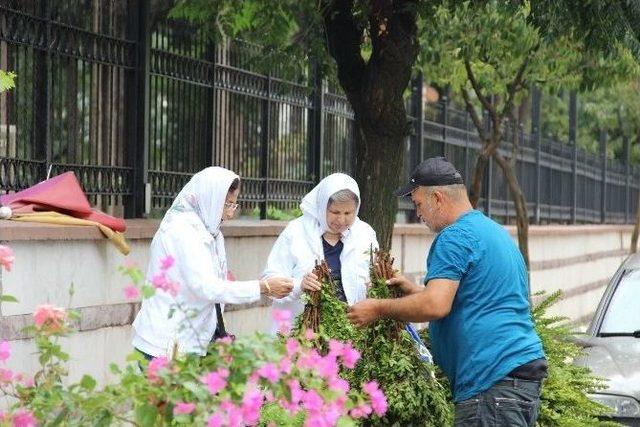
(145, 228)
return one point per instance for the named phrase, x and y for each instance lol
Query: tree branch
(477, 89)
(517, 83)
(474, 114)
(343, 38)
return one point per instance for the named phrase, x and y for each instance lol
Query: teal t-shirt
(489, 331)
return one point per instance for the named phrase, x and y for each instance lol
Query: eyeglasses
(231, 206)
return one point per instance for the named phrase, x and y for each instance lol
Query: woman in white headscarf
(329, 229)
(190, 233)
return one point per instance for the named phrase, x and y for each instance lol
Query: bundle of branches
(389, 356)
(324, 313)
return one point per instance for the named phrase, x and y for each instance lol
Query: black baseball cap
(435, 171)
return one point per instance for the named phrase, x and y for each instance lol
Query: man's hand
(405, 285)
(364, 312)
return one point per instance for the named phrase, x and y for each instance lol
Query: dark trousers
(511, 402)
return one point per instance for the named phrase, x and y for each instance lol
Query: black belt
(514, 382)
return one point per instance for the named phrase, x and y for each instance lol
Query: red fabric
(62, 194)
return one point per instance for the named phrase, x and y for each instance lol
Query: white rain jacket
(300, 245)
(190, 233)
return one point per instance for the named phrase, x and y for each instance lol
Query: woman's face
(230, 204)
(340, 216)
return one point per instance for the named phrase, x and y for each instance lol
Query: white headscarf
(314, 207)
(201, 202)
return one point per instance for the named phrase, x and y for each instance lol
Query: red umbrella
(62, 194)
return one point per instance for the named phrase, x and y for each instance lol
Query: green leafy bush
(564, 392)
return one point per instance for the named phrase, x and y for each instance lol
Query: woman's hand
(310, 283)
(276, 287)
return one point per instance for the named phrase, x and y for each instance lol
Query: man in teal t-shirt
(477, 302)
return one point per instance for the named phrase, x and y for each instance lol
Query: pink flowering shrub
(254, 380)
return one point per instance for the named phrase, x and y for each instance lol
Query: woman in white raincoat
(190, 233)
(329, 229)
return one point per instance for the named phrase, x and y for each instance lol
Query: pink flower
(309, 334)
(378, 400)
(292, 346)
(283, 318)
(309, 360)
(281, 315)
(296, 391)
(6, 257)
(269, 372)
(131, 292)
(234, 413)
(327, 367)
(5, 351)
(183, 408)
(129, 263)
(166, 263)
(49, 317)
(173, 288)
(216, 381)
(311, 401)
(24, 418)
(316, 420)
(159, 280)
(286, 365)
(155, 366)
(350, 356)
(336, 347)
(6, 375)
(361, 411)
(338, 384)
(251, 404)
(215, 420)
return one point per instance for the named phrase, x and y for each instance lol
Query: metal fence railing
(135, 103)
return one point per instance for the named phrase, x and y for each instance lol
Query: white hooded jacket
(190, 233)
(300, 244)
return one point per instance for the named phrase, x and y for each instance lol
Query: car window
(622, 314)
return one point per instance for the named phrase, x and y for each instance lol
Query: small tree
(491, 53)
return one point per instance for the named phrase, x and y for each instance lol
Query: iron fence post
(573, 120)
(137, 111)
(42, 102)
(603, 157)
(264, 152)
(627, 178)
(316, 126)
(210, 107)
(536, 132)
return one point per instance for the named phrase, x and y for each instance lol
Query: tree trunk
(375, 91)
(379, 159)
(522, 216)
(475, 192)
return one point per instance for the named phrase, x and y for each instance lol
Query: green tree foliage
(7, 80)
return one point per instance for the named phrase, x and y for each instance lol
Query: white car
(612, 344)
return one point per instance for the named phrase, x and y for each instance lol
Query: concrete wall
(51, 260)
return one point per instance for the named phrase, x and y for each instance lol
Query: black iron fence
(135, 103)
